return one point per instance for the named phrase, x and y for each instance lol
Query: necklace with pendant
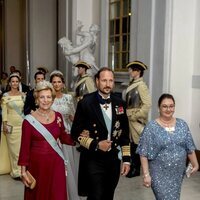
(170, 129)
(46, 115)
(169, 126)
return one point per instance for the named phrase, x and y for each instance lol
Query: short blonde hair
(44, 85)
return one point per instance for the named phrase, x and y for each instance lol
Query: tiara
(42, 85)
(14, 75)
(56, 72)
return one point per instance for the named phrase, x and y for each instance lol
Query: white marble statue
(84, 49)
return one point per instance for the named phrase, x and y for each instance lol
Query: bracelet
(23, 174)
(146, 175)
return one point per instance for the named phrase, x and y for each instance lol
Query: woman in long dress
(37, 155)
(12, 117)
(63, 103)
(164, 147)
(4, 158)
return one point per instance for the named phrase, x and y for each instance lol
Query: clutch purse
(188, 170)
(9, 128)
(32, 183)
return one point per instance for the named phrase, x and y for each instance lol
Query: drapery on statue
(85, 47)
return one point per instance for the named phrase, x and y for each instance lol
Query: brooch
(117, 132)
(117, 124)
(59, 120)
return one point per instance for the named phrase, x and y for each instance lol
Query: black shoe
(17, 178)
(133, 173)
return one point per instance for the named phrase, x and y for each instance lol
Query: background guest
(12, 69)
(30, 104)
(4, 82)
(12, 115)
(63, 103)
(43, 69)
(85, 83)
(164, 147)
(138, 103)
(22, 86)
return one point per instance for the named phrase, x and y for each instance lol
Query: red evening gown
(46, 166)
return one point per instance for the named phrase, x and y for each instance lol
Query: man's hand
(125, 169)
(105, 145)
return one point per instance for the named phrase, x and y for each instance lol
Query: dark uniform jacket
(29, 104)
(25, 88)
(89, 117)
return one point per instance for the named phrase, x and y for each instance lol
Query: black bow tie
(103, 101)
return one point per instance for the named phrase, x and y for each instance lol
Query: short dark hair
(39, 73)
(97, 75)
(165, 96)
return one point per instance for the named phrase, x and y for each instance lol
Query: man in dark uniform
(101, 127)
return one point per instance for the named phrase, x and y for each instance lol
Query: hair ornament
(55, 72)
(42, 85)
(15, 75)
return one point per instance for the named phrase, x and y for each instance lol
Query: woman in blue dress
(164, 147)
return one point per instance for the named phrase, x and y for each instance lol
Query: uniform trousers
(103, 176)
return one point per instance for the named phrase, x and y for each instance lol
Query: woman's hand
(147, 180)
(194, 169)
(5, 130)
(145, 169)
(194, 162)
(71, 118)
(25, 179)
(85, 133)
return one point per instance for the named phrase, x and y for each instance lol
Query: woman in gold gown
(12, 116)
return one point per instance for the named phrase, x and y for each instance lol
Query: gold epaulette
(126, 150)
(85, 141)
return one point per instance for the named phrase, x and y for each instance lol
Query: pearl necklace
(46, 115)
(169, 126)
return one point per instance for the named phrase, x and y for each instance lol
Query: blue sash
(16, 108)
(108, 122)
(46, 134)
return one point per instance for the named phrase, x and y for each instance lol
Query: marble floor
(128, 189)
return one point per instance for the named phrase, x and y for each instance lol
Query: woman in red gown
(36, 154)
